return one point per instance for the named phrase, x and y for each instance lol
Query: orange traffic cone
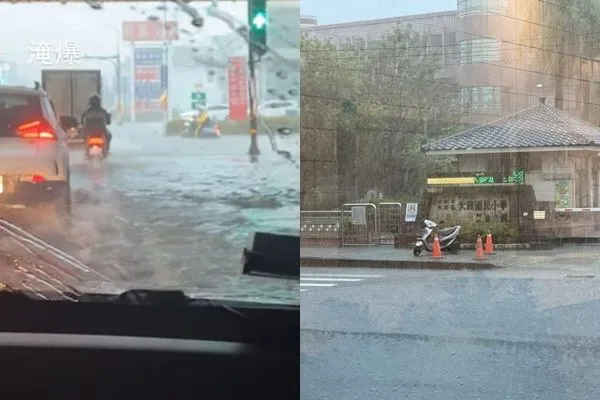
(489, 244)
(437, 250)
(479, 254)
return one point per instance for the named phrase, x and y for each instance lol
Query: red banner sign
(238, 89)
(147, 73)
(146, 105)
(149, 31)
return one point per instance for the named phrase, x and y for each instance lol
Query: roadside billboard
(150, 31)
(238, 89)
(148, 73)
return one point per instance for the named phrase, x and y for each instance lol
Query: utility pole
(257, 22)
(119, 72)
(165, 62)
(253, 152)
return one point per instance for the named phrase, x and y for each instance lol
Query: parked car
(189, 115)
(218, 112)
(279, 108)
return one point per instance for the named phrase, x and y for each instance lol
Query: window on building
(487, 98)
(436, 44)
(479, 50)
(481, 6)
(450, 49)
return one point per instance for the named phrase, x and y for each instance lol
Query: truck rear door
(84, 84)
(58, 85)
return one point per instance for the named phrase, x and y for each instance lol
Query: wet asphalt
(519, 333)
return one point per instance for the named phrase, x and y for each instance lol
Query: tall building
(491, 49)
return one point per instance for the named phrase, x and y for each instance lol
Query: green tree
(569, 30)
(401, 102)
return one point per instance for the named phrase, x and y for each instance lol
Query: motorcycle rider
(96, 117)
(202, 120)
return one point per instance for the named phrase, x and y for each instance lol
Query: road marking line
(318, 284)
(343, 275)
(330, 279)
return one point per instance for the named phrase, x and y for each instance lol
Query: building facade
(490, 49)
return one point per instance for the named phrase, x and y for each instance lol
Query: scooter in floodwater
(449, 238)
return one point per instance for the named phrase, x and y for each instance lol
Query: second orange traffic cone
(479, 254)
(489, 244)
(437, 250)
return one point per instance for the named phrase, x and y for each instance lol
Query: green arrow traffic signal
(258, 20)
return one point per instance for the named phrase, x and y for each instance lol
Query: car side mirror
(67, 122)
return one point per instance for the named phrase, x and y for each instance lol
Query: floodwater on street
(178, 211)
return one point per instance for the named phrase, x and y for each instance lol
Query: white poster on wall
(359, 215)
(411, 212)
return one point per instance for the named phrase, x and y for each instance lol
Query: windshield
(450, 217)
(157, 199)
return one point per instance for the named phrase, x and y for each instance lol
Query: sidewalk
(390, 257)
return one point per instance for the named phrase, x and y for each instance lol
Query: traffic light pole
(257, 20)
(253, 152)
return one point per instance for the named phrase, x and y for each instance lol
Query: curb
(395, 264)
(507, 246)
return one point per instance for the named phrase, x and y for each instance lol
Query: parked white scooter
(449, 238)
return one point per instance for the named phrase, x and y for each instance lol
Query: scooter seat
(446, 231)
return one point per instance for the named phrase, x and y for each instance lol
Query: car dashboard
(110, 349)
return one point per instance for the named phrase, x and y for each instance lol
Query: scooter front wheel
(454, 248)
(417, 251)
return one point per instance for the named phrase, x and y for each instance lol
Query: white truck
(70, 91)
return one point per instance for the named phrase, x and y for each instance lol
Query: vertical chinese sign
(151, 65)
(148, 86)
(238, 89)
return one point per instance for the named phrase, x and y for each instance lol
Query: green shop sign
(517, 176)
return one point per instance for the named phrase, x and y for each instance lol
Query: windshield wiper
(43, 272)
(273, 256)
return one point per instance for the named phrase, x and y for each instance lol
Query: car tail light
(38, 179)
(36, 130)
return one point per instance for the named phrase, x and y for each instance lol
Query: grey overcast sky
(337, 11)
(95, 31)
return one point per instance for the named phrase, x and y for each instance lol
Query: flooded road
(171, 211)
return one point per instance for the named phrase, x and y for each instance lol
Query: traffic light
(258, 21)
